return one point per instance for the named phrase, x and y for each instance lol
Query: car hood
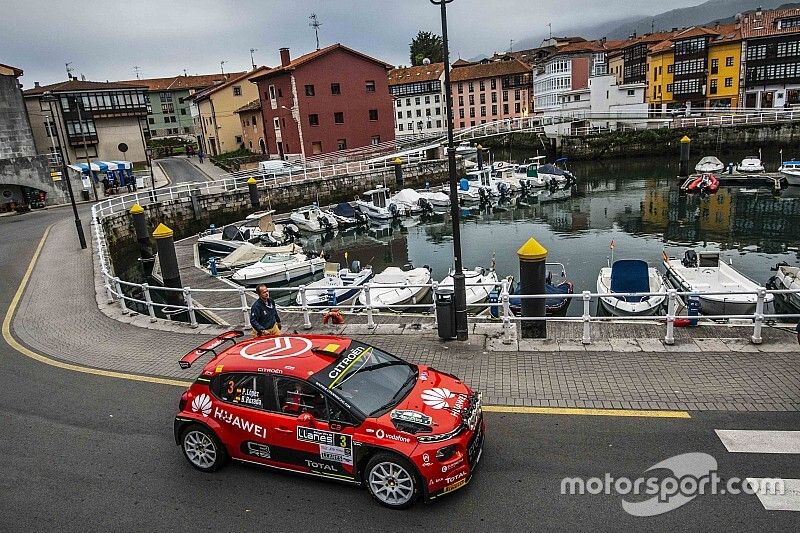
(442, 397)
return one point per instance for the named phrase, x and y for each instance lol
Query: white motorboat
(377, 206)
(750, 164)
(465, 149)
(344, 283)
(628, 276)
(435, 198)
(249, 253)
(256, 228)
(469, 192)
(791, 171)
(484, 180)
(787, 278)
(504, 174)
(408, 200)
(551, 176)
(528, 172)
(704, 273)
(397, 287)
(278, 268)
(479, 283)
(709, 165)
(314, 220)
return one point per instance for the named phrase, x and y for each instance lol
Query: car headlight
(445, 453)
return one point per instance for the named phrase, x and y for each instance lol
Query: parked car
(278, 167)
(331, 407)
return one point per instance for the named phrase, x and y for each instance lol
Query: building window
(715, 66)
(427, 99)
(373, 115)
(400, 114)
(183, 111)
(505, 96)
(375, 140)
(436, 98)
(427, 111)
(471, 112)
(472, 99)
(165, 97)
(277, 123)
(419, 112)
(316, 147)
(341, 144)
(151, 120)
(313, 119)
(494, 109)
(335, 88)
(483, 98)
(167, 108)
(483, 110)
(505, 109)
(237, 91)
(338, 118)
(461, 113)
(438, 123)
(408, 101)
(631, 92)
(408, 114)
(482, 85)
(494, 98)
(399, 127)
(271, 92)
(462, 125)
(370, 86)
(728, 82)
(399, 102)
(670, 68)
(438, 111)
(517, 94)
(309, 90)
(460, 87)
(729, 61)
(493, 83)
(713, 86)
(461, 100)
(669, 87)
(237, 137)
(517, 107)
(471, 87)
(410, 126)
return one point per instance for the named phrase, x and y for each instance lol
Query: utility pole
(315, 23)
(69, 69)
(550, 25)
(511, 45)
(136, 70)
(252, 60)
(222, 66)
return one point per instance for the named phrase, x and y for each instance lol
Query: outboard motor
(502, 188)
(407, 267)
(484, 195)
(355, 267)
(689, 259)
(426, 206)
(393, 209)
(325, 223)
(292, 231)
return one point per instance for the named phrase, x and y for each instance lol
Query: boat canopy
(344, 209)
(550, 169)
(630, 275)
(407, 196)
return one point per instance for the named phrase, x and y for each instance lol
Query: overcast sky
(104, 39)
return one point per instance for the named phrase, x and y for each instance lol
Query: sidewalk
(208, 168)
(717, 380)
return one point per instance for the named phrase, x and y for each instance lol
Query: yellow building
(724, 61)
(218, 124)
(660, 63)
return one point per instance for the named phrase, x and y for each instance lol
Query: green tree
(426, 45)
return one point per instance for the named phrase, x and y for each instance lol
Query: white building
(605, 101)
(419, 100)
(568, 69)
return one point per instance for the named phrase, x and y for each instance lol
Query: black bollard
(170, 274)
(142, 236)
(532, 271)
(398, 173)
(686, 144)
(252, 185)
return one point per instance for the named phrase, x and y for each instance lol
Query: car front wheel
(392, 481)
(203, 449)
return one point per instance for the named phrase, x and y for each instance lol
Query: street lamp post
(79, 104)
(49, 98)
(459, 285)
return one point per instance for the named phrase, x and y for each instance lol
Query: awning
(127, 165)
(81, 167)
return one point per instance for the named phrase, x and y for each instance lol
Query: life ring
(335, 315)
(499, 164)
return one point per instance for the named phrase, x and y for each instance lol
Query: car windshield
(369, 379)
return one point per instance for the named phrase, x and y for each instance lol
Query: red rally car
(331, 407)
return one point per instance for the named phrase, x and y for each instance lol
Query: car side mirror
(307, 419)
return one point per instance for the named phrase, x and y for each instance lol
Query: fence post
(150, 309)
(368, 304)
(434, 288)
(304, 304)
(504, 297)
(672, 297)
(187, 295)
(759, 317)
(121, 296)
(109, 292)
(245, 310)
(587, 325)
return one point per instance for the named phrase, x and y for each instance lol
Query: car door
(301, 436)
(240, 413)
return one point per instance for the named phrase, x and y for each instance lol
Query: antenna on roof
(511, 46)
(653, 26)
(69, 70)
(550, 25)
(222, 66)
(315, 23)
(184, 73)
(136, 70)
(253, 61)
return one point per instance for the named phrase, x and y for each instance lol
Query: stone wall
(19, 163)
(193, 213)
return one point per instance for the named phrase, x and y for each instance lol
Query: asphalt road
(81, 452)
(179, 170)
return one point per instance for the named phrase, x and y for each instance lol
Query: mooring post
(142, 235)
(252, 186)
(170, 274)
(686, 144)
(532, 271)
(398, 173)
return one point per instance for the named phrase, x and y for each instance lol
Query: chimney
(758, 12)
(285, 60)
(36, 84)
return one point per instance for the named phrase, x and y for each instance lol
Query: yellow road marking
(584, 411)
(9, 338)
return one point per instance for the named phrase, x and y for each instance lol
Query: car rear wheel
(392, 481)
(203, 449)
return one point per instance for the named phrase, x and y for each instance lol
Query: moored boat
(750, 164)
(791, 171)
(787, 278)
(377, 206)
(705, 184)
(396, 287)
(347, 216)
(709, 165)
(615, 283)
(313, 220)
(273, 269)
(249, 253)
(556, 303)
(257, 228)
(345, 284)
(703, 273)
(479, 283)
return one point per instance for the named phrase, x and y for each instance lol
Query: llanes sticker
(202, 404)
(335, 447)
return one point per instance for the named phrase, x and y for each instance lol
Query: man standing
(264, 314)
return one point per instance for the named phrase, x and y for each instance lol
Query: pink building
(490, 90)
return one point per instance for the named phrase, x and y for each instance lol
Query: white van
(278, 167)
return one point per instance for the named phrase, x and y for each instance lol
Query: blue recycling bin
(693, 308)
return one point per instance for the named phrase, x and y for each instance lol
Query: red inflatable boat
(707, 183)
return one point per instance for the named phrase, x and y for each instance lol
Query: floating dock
(775, 180)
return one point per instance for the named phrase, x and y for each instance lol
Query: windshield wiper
(393, 401)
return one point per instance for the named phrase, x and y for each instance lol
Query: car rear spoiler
(209, 346)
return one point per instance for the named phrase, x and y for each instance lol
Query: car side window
(337, 413)
(242, 389)
(296, 397)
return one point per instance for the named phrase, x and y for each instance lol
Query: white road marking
(755, 441)
(788, 500)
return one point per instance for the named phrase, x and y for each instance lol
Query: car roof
(298, 356)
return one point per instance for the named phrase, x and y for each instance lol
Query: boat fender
(333, 315)
(682, 322)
